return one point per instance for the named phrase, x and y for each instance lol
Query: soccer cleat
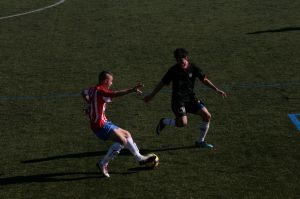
(203, 145)
(148, 159)
(103, 168)
(160, 126)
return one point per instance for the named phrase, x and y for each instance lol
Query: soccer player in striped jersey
(182, 76)
(97, 98)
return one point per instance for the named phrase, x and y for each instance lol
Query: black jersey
(183, 81)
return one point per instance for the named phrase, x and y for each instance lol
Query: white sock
(169, 122)
(132, 147)
(203, 131)
(112, 152)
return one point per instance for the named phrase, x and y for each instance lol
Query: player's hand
(222, 93)
(138, 88)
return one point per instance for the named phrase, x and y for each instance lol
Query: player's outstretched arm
(158, 87)
(135, 89)
(209, 84)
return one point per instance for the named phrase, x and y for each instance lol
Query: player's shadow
(138, 169)
(286, 29)
(66, 156)
(145, 151)
(55, 177)
(74, 176)
(100, 154)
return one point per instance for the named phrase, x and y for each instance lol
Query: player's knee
(120, 139)
(207, 117)
(123, 141)
(127, 134)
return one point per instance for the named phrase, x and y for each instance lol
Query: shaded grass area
(48, 150)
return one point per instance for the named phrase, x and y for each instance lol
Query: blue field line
(45, 97)
(227, 87)
(262, 85)
(295, 120)
(224, 87)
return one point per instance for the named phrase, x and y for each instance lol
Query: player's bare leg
(181, 121)
(118, 138)
(125, 138)
(112, 152)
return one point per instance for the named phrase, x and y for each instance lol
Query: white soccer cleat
(103, 168)
(147, 159)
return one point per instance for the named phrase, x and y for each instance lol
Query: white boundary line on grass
(33, 11)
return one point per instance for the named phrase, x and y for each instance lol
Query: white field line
(33, 11)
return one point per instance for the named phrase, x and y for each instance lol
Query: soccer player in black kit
(183, 75)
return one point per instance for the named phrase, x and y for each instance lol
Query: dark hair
(103, 75)
(180, 53)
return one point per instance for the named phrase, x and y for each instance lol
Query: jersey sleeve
(168, 77)
(199, 73)
(106, 93)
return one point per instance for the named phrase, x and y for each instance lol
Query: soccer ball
(153, 164)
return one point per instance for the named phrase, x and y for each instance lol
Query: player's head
(106, 78)
(181, 56)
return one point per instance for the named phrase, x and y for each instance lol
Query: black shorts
(182, 108)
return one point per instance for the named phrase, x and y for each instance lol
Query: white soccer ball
(153, 164)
